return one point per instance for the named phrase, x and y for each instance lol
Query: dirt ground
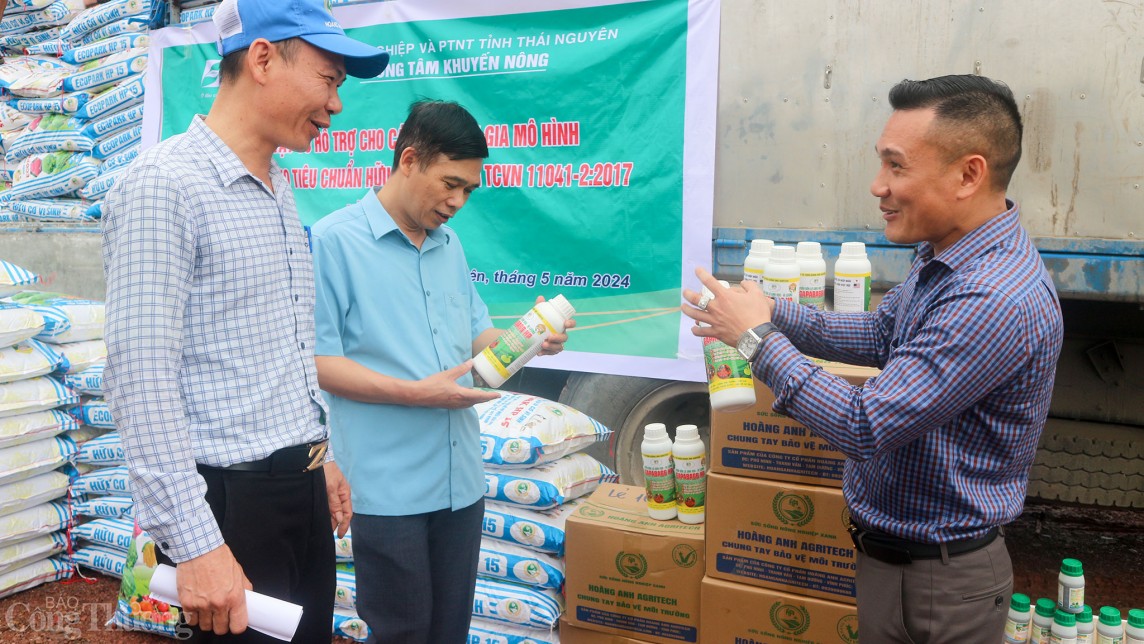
(1109, 542)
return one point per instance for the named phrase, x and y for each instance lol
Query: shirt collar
(381, 224)
(226, 163)
(980, 239)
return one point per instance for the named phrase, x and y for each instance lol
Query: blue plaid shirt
(210, 328)
(941, 442)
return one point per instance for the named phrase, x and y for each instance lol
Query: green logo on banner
(631, 564)
(790, 619)
(793, 509)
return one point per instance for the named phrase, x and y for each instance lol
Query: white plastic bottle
(690, 474)
(729, 379)
(1017, 623)
(1070, 586)
(1134, 633)
(1110, 628)
(1042, 627)
(1084, 627)
(1064, 628)
(811, 274)
(756, 262)
(658, 472)
(522, 341)
(852, 275)
(780, 280)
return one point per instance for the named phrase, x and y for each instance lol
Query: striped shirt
(941, 442)
(210, 327)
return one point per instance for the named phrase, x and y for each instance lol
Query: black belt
(288, 460)
(893, 550)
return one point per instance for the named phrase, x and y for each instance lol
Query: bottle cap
(686, 432)
(853, 250)
(1071, 568)
(563, 306)
(1110, 616)
(809, 249)
(1019, 602)
(1136, 618)
(655, 430)
(1046, 607)
(782, 254)
(1064, 619)
(761, 247)
(1085, 615)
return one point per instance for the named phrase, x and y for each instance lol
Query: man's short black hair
(231, 64)
(974, 115)
(440, 127)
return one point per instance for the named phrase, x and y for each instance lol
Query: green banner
(583, 191)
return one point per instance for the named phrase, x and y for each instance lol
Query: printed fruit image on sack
(136, 610)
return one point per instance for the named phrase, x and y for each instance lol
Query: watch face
(748, 343)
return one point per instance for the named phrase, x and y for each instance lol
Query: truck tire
(625, 404)
(1090, 463)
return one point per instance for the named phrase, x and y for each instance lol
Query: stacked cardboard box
(780, 562)
(630, 578)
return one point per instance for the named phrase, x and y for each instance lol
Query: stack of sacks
(192, 12)
(75, 330)
(75, 123)
(534, 471)
(35, 24)
(34, 455)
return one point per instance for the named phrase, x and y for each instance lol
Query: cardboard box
(760, 443)
(570, 634)
(784, 536)
(740, 614)
(631, 575)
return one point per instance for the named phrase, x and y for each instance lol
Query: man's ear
(974, 175)
(259, 57)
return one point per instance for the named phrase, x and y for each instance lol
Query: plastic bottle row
(798, 274)
(1069, 620)
(675, 474)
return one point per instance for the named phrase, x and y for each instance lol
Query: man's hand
(441, 390)
(338, 493)
(554, 343)
(212, 591)
(731, 313)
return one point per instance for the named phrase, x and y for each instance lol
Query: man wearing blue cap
(210, 329)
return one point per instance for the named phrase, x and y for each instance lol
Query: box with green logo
(762, 443)
(631, 575)
(741, 614)
(779, 535)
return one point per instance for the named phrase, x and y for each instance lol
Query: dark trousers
(278, 527)
(962, 599)
(416, 574)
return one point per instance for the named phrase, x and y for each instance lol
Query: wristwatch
(752, 339)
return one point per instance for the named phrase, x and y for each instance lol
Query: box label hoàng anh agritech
(632, 575)
(784, 536)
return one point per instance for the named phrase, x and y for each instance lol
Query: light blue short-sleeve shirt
(407, 313)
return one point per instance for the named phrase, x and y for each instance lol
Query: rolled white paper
(274, 617)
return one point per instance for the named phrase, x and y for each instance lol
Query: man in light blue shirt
(398, 322)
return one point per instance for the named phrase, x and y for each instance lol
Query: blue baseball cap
(241, 22)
